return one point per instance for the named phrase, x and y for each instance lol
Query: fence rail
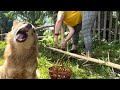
(106, 26)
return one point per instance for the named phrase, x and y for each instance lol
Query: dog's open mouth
(21, 35)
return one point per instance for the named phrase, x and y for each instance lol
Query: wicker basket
(60, 72)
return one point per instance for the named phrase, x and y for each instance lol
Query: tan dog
(21, 53)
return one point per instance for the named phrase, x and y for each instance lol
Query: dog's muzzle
(22, 35)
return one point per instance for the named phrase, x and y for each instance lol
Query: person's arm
(71, 29)
(58, 25)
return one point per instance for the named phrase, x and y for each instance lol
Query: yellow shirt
(72, 18)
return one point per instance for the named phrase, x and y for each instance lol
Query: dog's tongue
(21, 36)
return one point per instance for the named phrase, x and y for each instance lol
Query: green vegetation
(80, 70)
(84, 70)
(2, 48)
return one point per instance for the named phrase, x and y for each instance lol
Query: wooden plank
(116, 27)
(105, 21)
(110, 27)
(103, 29)
(110, 64)
(99, 25)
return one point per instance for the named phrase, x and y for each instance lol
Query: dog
(21, 53)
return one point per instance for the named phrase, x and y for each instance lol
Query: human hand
(63, 44)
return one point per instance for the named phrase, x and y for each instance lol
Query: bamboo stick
(40, 37)
(38, 28)
(110, 64)
(3, 34)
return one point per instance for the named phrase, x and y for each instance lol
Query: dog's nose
(29, 26)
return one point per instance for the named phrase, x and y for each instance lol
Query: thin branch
(42, 27)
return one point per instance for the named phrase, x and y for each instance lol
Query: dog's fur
(20, 57)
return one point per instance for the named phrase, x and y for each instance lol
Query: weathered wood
(94, 29)
(105, 21)
(110, 27)
(99, 25)
(116, 27)
(104, 30)
(40, 37)
(3, 34)
(110, 64)
(39, 28)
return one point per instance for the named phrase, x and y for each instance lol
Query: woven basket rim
(64, 72)
(60, 67)
(60, 72)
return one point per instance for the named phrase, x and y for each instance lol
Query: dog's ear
(15, 22)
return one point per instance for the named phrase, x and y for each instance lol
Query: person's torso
(72, 18)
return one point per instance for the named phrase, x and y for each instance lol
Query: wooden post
(110, 27)
(94, 29)
(116, 26)
(110, 64)
(105, 20)
(99, 25)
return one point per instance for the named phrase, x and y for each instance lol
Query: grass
(79, 72)
(89, 70)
